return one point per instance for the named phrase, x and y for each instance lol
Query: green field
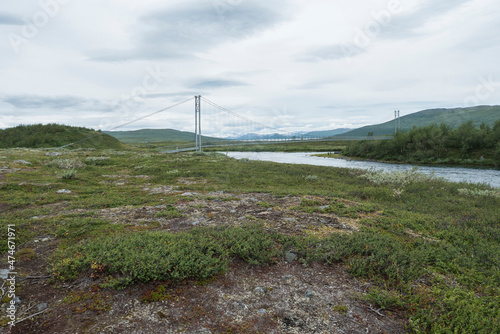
(430, 249)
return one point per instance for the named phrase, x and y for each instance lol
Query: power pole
(397, 121)
(197, 122)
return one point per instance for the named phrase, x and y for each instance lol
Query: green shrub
(69, 175)
(62, 163)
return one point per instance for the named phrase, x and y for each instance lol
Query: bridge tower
(197, 122)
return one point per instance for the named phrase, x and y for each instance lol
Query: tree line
(467, 144)
(39, 135)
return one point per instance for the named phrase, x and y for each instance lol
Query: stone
(42, 306)
(63, 191)
(324, 207)
(262, 311)
(290, 256)
(287, 277)
(23, 162)
(290, 220)
(310, 294)
(53, 154)
(4, 274)
(260, 290)
(232, 211)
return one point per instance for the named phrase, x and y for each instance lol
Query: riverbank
(113, 241)
(452, 173)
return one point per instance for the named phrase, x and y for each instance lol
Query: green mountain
(452, 117)
(156, 136)
(56, 135)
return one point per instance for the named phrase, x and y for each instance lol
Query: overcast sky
(292, 65)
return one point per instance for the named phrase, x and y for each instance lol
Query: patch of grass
(170, 212)
(145, 256)
(93, 300)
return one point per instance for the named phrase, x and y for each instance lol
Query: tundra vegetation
(429, 248)
(440, 144)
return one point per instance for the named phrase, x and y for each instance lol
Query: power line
(136, 120)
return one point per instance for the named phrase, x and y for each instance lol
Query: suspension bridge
(221, 127)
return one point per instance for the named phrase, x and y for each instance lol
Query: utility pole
(197, 122)
(397, 121)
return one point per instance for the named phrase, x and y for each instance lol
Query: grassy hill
(452, 117)
(56, 135)
(156, 136)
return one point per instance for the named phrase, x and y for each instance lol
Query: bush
(200, 254)
(69, 175)
(62, 163)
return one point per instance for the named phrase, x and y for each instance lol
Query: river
(454, 174)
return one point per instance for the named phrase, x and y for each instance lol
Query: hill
(56, 135)
(451, 117)
(156, 136)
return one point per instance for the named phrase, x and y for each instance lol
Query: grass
(431, 249)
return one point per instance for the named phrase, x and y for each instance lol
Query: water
(455, 174)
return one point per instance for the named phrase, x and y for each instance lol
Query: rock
(232, 211)
(160, 207)
(23, 162)
(310, 294)
(324, 207)
(17, 300)
(242, 305)
(53, 154)
(45, 239)
(262, 311)
(63, 191)
(290, 256)
(261, 290)
(42, 306)
(290, 220)
(4, 274)
(188, 194)
(287, 277)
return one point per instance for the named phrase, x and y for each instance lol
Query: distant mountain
(326, 133)
(452, 117)
(297, 134)
(156, 136)
(56, 135)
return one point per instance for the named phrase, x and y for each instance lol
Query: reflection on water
(455, 174)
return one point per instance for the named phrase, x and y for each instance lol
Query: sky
(288, 65)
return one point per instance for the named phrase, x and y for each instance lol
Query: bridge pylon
(197, 122)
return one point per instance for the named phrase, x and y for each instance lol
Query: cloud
(182, 31)
(404, 25)
(409, 24)
(215, 84)
(9, 19)
(56, 103)
(330, 52)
